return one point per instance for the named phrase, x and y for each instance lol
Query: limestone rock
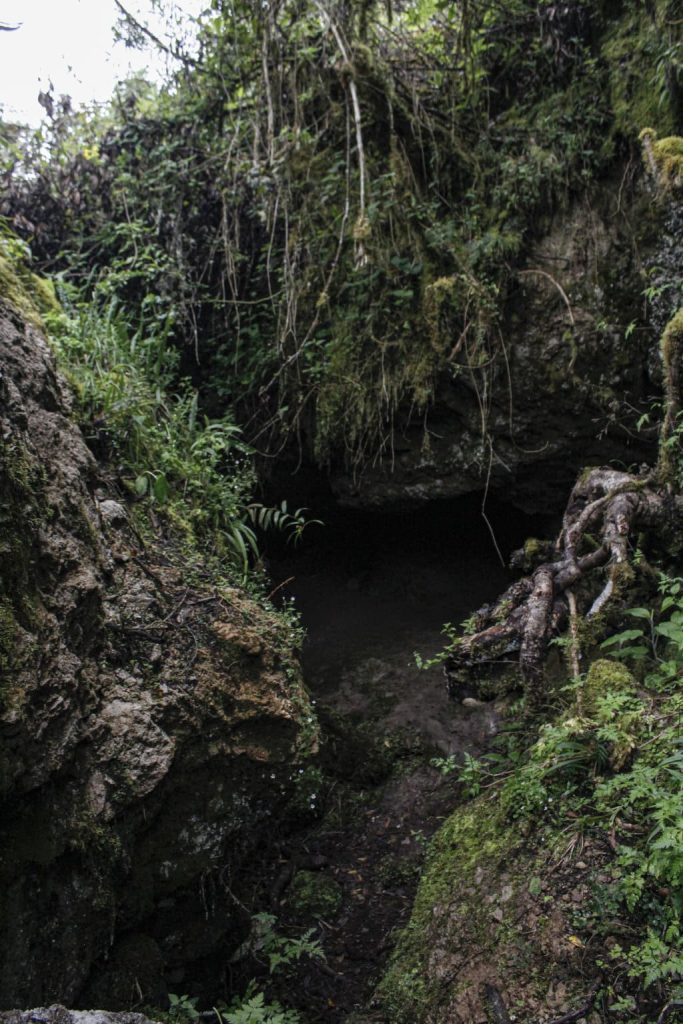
(60, 1015)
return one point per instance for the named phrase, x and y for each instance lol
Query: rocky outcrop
(576, 358)
(149, 721)
(492, 921)
(60, 1015)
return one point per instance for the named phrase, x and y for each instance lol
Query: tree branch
(139, 27)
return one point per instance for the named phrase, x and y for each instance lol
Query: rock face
(573, 363)
(60, 1015)
(149, 721)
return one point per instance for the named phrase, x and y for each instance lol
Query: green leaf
(630, 652)
(160, 488)
(671, 630)
(620, 638)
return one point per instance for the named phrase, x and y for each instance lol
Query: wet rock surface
(145, 736)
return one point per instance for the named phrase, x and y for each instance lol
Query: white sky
(71, 43)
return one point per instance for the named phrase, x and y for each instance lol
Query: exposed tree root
(669, 1009)
(605, 510)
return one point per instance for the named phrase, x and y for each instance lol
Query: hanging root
(605, 509)
(670, 350)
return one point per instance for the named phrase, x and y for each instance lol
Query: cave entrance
(373, 587)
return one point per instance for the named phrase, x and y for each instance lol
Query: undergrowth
(194, 473)
(333, 204)
(612, 766)
(264, 946)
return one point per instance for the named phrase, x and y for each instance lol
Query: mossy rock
(664, 158)
(605, 676)
(314, 894)
(476, 834)
(30, 296)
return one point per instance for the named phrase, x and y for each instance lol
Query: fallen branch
(675, 1004)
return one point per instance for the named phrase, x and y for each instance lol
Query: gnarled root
(605, 504)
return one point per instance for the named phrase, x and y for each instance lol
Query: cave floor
(370, 596)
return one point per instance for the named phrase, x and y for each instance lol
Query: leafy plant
(195, 471)
(615, 764)
(252, 1008)
(281, 953)
(470, 775)
(182, 1008)
(660, 641)
(280, 518)
(445, 765)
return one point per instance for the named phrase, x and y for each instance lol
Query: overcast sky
(71, 43)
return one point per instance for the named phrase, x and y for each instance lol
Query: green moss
(533, 553)
(533, 548)
(29, 295)
(671, 347)
(669, 155)
(633, 50)
(664, 158)
(438, 295)
(473, 836)
(605, 676)
(314, 894)
(673, 333)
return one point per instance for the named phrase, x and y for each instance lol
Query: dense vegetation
(287, 245)
(327, 205)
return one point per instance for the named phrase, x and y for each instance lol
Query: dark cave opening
(374, 586)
